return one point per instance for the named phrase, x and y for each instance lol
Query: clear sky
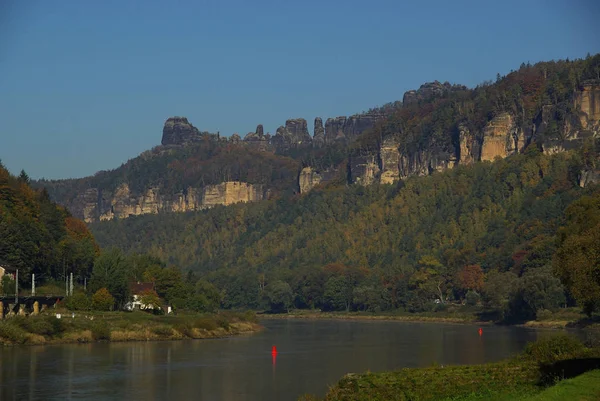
(86, 85)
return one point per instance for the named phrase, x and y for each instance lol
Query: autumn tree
(102, 300)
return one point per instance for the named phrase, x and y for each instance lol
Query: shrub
(472, 298)
(222, 321)
(162, 330)
(100, 331)
(102, 300)
(12, 332)
(206, 323)
(78, 301)
(555, 348)
(543, 314)
(185, 329)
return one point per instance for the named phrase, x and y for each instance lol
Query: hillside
(382, 246)
(554, 106)
(39, 237)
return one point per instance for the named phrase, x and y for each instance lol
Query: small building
(138, 289)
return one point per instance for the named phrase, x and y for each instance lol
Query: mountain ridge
(554, 106)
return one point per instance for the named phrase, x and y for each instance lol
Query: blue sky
(86, 85)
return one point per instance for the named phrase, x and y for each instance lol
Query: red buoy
(480, 331)
(274, 350)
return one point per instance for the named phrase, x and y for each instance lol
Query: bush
(185, 329)
(78, 301)
(102, 300)
(472, 298)
(555, 348)
(47, 325)
(544, 314)
(12, 332)
(222, 321)
(162, 331)
(100, 331)
(206, 323)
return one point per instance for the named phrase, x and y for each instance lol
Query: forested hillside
(38, 236)
(483, 230)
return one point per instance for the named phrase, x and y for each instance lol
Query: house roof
(137, 288)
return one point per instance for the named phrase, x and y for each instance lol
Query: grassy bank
(563, 318)
(122, 326)
(534, 375)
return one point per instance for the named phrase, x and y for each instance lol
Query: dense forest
(486, 232)
(39, 237)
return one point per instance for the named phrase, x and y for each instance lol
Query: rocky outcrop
(390, 160)
(349, 128)
(501, 138)
(294, 134)
(587, 103)
(425, 162)
(308, 179)
(469, 148)
(588, 177)
(94, 204)
(231, 192)
(178, 131)
(364, 169)
(428, 91)
(334, 129)
(319, 133)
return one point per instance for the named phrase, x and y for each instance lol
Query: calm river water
(311, 356)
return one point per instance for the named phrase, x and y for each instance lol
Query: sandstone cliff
(500, 137)
(95, 204)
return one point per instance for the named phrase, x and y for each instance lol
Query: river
(311, 355)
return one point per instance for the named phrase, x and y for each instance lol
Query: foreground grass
(582, 388)
(525, 377)
(87, 327)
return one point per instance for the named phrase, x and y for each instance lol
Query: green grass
(121, 326)
(523, 377)
(581, 388)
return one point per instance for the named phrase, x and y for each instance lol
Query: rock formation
(319, 133)
(294, 134)
(428, 91)
(497, 137)
(390, 160)
(308, 179)
(349, 128)
(178, 131)
(94, 204)
(587, 102)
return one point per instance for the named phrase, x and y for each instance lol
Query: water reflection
(310, 355)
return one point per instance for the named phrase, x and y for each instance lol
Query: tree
(542, 290)
(102, 300)
(471, 278)
(111, 272)
(279, 296)
(149, 299)
(338, 294)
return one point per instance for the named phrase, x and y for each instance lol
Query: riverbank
(565, 318)
(534, 375)
(86, 327)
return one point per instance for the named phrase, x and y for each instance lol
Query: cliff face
(96, 204)
(310, 177)
(500, 137)
(587, 102)
(349, 128)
